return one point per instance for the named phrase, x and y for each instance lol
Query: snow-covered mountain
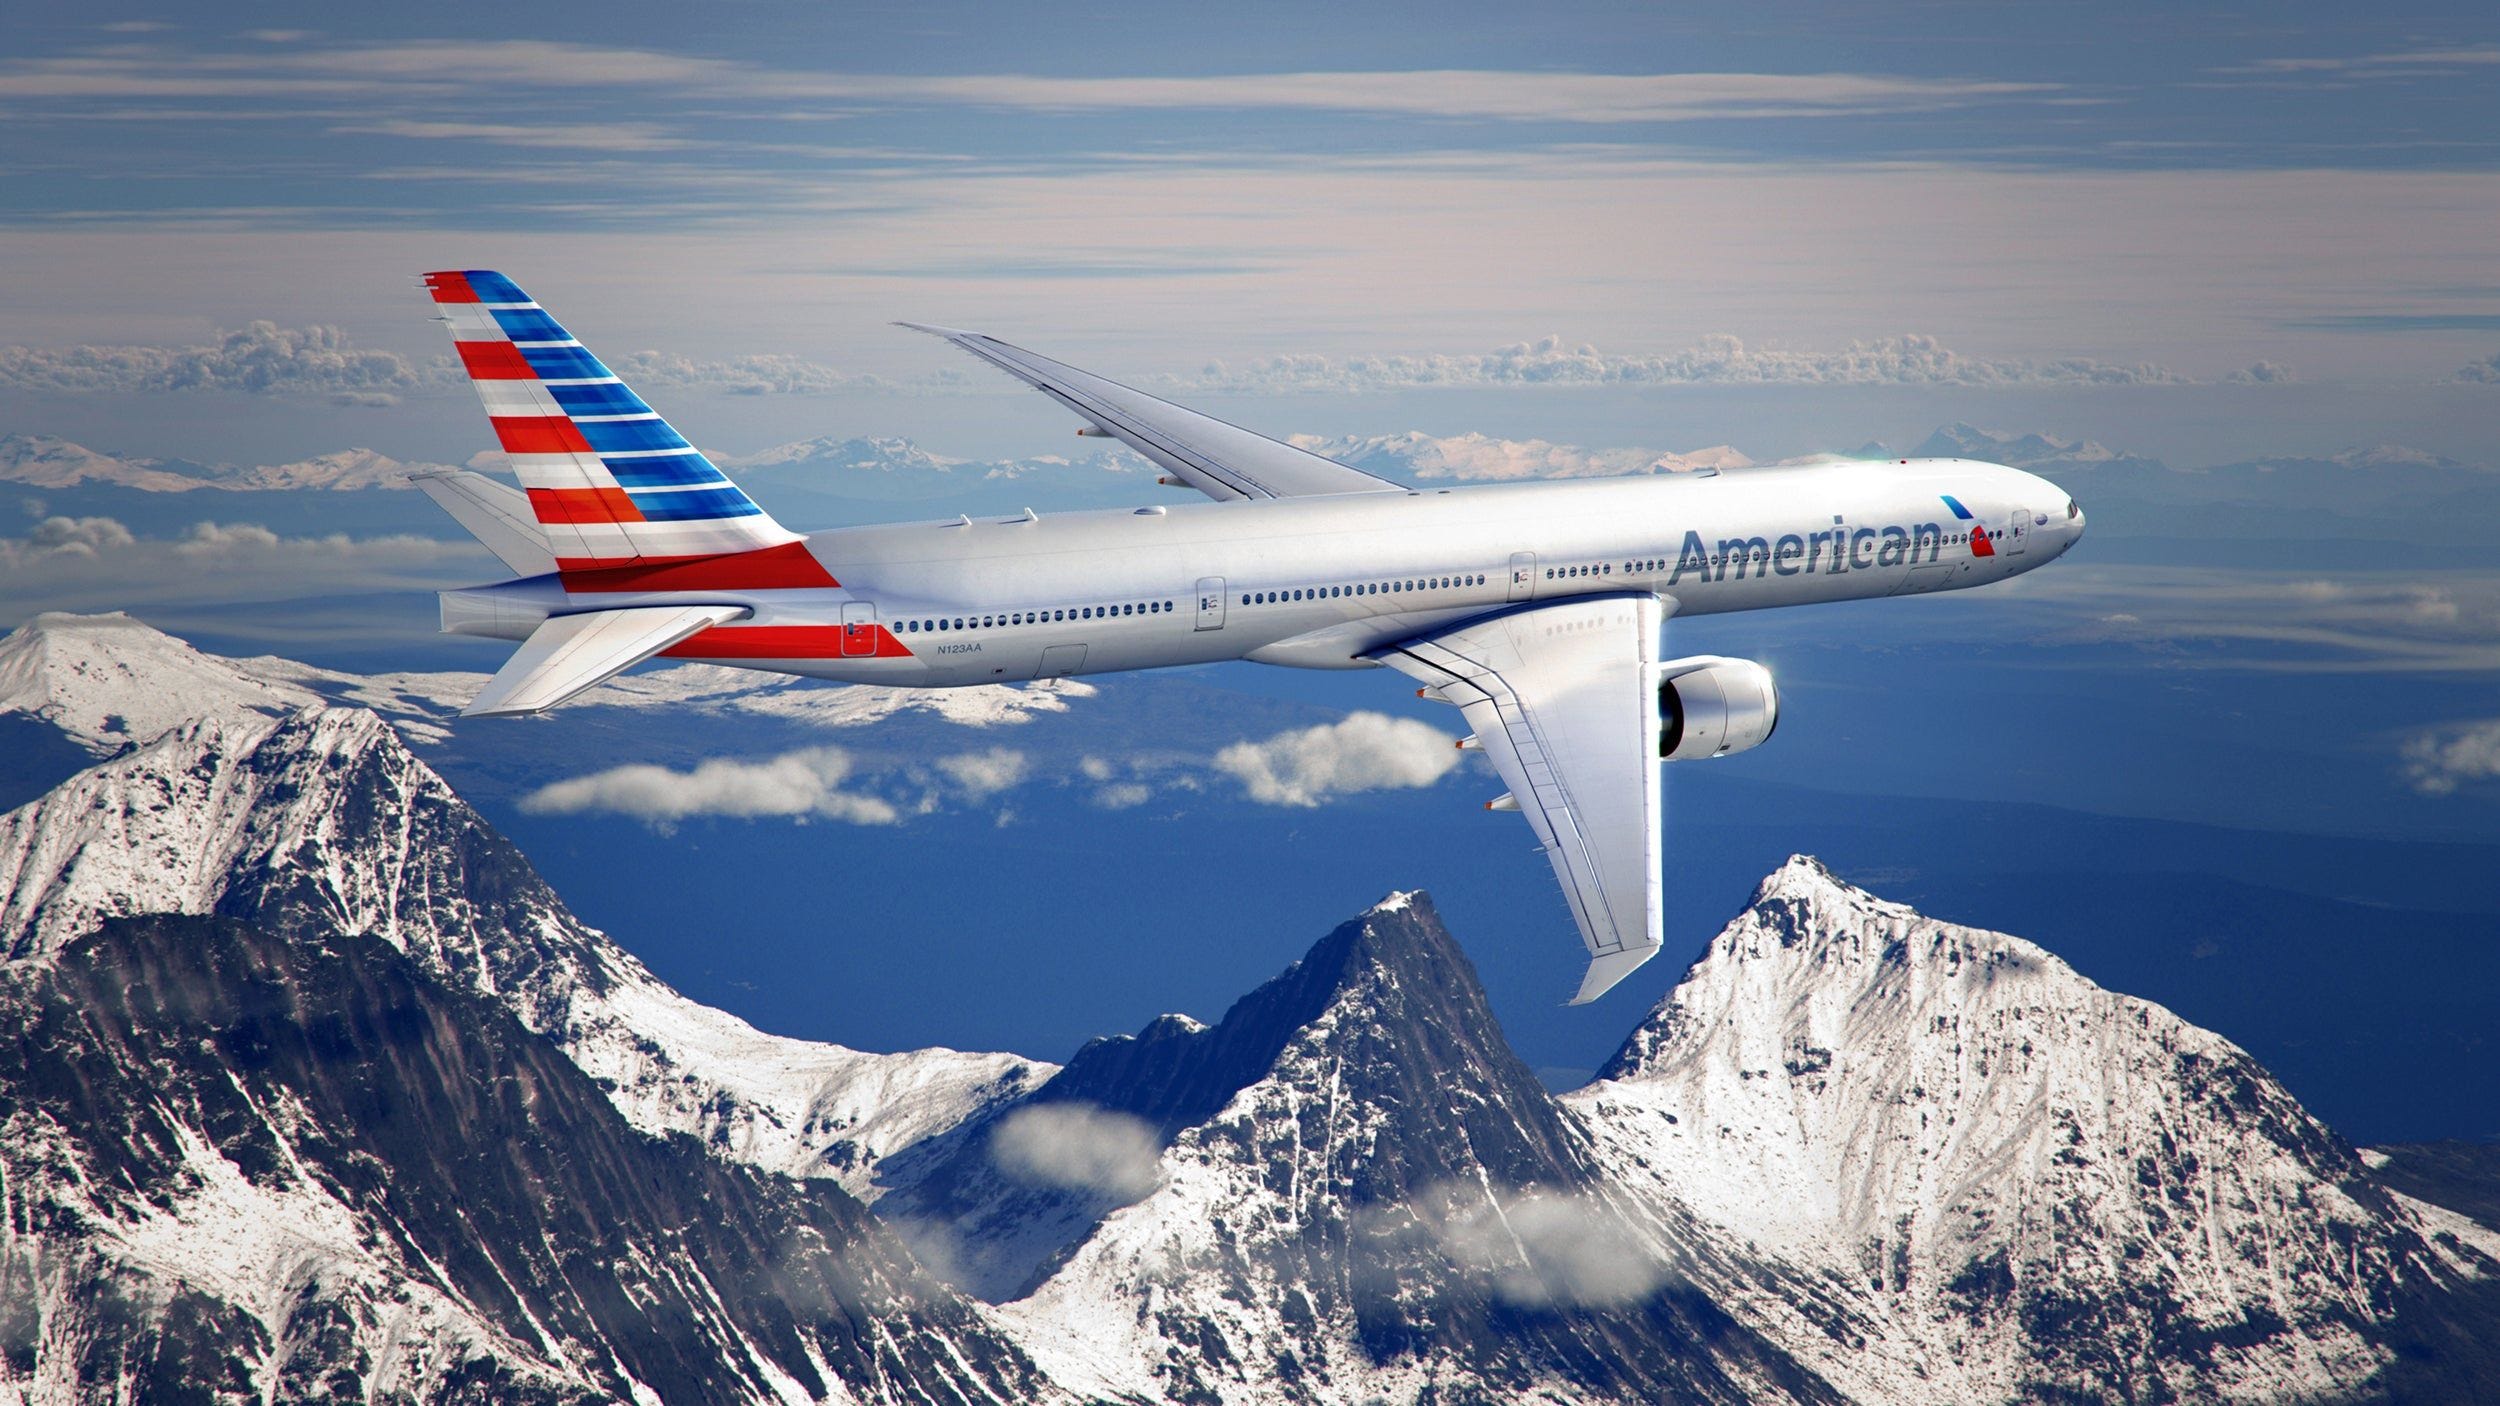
(323, 821)
(1912, 1162)
(2030, 450)
(2015, 1184)
(107, 680)
(47, 461)
(252, 1165)
(1362, 1195)
(317, 1081)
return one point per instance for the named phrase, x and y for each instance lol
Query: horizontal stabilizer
(497, 515)
(570, 653)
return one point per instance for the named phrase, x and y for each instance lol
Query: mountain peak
(108, 680)
(1959, 1121)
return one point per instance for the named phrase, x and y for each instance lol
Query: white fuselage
(1323, 582)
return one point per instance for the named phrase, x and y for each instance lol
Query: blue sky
(2201, 238)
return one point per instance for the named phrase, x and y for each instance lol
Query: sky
(2234, 265)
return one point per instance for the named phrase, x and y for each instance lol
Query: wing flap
(1564, 700)
(570, 653)
(1221, 460)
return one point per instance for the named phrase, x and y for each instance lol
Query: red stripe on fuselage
(494, 361)
(539, 434)
(788, 567)
(583, 505)
(786, 642)
(451, 288)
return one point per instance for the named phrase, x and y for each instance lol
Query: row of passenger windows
(1364, 588)
(1036, 617)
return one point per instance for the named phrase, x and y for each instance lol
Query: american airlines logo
(1833, 551)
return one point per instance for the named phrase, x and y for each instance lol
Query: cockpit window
(2072, 512)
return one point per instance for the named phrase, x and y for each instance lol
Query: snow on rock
(2008, 1181)
(108, 680)
(323, 820)
(1365, 1195)
(47, 461)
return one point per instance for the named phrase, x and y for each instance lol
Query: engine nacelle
(1710, 707)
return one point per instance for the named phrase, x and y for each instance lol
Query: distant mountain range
(43, 461)
(321, 1093)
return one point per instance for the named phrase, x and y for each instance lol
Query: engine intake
(1710, 707)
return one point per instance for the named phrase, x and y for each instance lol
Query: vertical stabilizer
(609, 482)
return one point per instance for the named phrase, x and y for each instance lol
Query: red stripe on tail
(494, 361)
(451, 288)
(539, 434)
(583, 505)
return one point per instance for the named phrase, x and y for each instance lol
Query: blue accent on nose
(1956, 505)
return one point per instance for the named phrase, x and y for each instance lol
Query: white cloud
(2263, 373)
(1475, 457)
(261, 358)
(2440, 760)
(985, 774)
(2482, 373)
(806, 782)
(1364, 752)
(1543, 1248)
(1909, 360)
(1079, 1147)
(1123, 795)
(72, 536)
(769, 374)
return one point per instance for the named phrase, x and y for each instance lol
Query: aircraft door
(2017, 531)
(1523, 575)
(859, 628)
(1210, 602)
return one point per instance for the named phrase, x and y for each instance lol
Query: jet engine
(1709, 707)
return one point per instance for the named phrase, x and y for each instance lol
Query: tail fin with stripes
(611, 484)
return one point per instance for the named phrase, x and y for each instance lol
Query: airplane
(1534, 608)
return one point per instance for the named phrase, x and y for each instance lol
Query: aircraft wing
(1223, 461)
(569, 653)
(1564, 699)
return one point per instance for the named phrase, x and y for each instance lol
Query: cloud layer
(98, 563)
(260, 358)
(1364, 752)
(1713, 361)
(1474, 457)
